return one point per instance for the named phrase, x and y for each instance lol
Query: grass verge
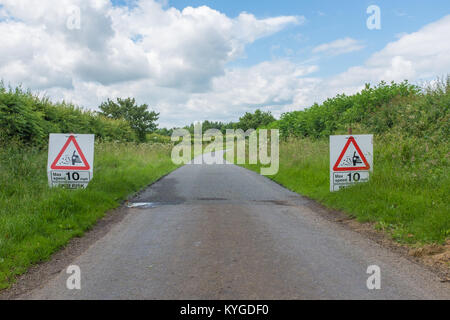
(407, 195)
(35, 220)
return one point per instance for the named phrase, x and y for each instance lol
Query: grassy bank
(35, 220)
(407, 195)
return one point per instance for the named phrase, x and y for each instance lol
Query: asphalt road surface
(223, 232)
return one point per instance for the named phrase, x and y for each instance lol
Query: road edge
(40, 273)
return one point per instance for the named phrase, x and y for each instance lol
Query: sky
(215, 60)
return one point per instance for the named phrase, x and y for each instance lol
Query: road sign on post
(351, 160)
(70, 160)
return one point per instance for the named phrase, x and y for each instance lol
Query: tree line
(403, 108)
(247, 121)
(28, 118)
(407, 108)
(400, 108)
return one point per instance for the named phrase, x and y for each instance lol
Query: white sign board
(351, 160)
(70, 160)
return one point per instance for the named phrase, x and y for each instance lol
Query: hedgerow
(29, 118)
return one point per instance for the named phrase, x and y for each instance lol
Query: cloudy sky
(196, 60)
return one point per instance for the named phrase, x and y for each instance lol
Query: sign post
(351, 160)
(70, 160)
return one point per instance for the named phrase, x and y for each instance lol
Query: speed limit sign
(70, 160)
(351, 160)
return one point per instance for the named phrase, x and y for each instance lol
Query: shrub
(29, 119)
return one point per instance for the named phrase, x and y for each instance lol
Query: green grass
(407, 195)
(35, 220)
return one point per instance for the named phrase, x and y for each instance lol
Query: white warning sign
(70, 160)
(351, 160)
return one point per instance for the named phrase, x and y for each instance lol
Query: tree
(164, 132)
(254, 120)
(222, 126)
(140, 119)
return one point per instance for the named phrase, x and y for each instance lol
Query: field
(35, 220)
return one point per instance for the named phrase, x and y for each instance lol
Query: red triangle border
(363, 158)
(55, 167)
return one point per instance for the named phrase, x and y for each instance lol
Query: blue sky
(325, 22)
(199, 59)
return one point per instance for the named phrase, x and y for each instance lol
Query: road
(223, 232)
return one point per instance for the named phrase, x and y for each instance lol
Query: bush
(157, 138)
(29, 119)
(339, 113)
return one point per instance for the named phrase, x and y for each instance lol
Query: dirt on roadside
(40, 273)
(434, 257)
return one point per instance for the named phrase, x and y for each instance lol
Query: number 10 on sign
(70, 160)
(351, 160)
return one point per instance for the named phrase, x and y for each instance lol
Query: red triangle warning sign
(351, 158)
(70, 157)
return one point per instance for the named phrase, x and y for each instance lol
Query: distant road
(223, 232)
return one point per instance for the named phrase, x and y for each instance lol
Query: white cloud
(267, 85)
(171, 48)
(188, 48)
(339, 46)
(419, 55)
(274, 86)
(176, 60)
